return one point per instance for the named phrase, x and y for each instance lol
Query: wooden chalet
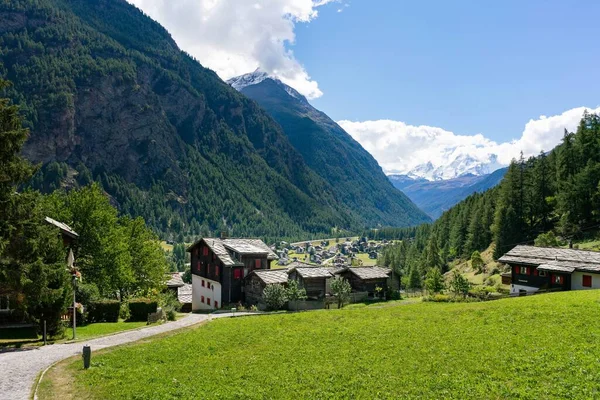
(258, 280)
(312, 279)
(367, 279)
(543, 268)
(219, 267)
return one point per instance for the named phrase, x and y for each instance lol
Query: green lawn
(541, 346)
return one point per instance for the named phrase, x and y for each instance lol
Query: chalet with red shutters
(543, 268)
(219, 267)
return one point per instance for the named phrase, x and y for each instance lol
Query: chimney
(570, 243)
(223, 234)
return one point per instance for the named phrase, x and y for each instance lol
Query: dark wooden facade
(529, 275)
(207, 264)
(364, 285)
(316, 288)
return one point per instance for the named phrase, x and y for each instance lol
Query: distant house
(367, 279)
(543, 268)
(219, 267)
(184, 295)
(174, 282)
(373, 255)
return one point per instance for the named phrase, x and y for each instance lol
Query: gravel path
(18, 369)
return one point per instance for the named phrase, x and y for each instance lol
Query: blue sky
(412, 81)
(467, 66)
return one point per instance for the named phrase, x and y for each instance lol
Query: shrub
(170, 305)
(104, 311)
(341, 289)
(274, 296)
(87, 293)
(124, 311)
(140, 308)
(392, 294)
(438, 298)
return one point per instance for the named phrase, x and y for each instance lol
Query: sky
(412, 81)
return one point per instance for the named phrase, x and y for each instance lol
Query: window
(587, 281)
(202, 282)
(237, 273)
(205, 251)
(516, 270)
(543, 273)
(524, 270)
(216, 304)
(257, 263)
(558, 279)
(202, 299)
(208, 301)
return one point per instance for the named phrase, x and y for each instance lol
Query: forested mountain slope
(355, 176)
(557, 191)
(108, 96)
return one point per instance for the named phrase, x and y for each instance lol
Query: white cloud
(234, 37)
(399, 147)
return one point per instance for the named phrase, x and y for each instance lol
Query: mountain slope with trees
(556, 192)
(330, 151)
(109, 97)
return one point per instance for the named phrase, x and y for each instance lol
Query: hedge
(104, 311)
(140, 308)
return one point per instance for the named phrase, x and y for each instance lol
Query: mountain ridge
(355, 175)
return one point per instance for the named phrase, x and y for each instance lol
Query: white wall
(514, 289)
(213, 293)
(577, 281)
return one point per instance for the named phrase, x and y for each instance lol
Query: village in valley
(178, 219)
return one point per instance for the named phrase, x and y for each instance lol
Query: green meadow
(541, 346)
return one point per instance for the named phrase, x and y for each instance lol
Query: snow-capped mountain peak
(252, 78)
(256, 77)
(461, 165)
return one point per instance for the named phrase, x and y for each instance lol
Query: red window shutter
(217, 270)
(208, 269)
(256, 263)
(516, 270)
(202, 299)
(216, 304)
(208, 301)
(205, 251)
(535, 272)
(587, 281)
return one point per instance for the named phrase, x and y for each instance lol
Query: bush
(104, 311)
(87, 293)
(438, 298)
(392, 294)
(124, 311)
(140, 308)
(170, 305)
(274, 296)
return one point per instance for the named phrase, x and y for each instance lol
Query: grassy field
(529, 347)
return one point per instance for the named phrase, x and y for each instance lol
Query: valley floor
(529, 347)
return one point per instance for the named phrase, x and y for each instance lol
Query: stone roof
(184, 293)
(66, 229)
(366, 273)
(568, 259)
(313, 272)
(241, 246)
(271, 276)
(174, 280)
(556, 268)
